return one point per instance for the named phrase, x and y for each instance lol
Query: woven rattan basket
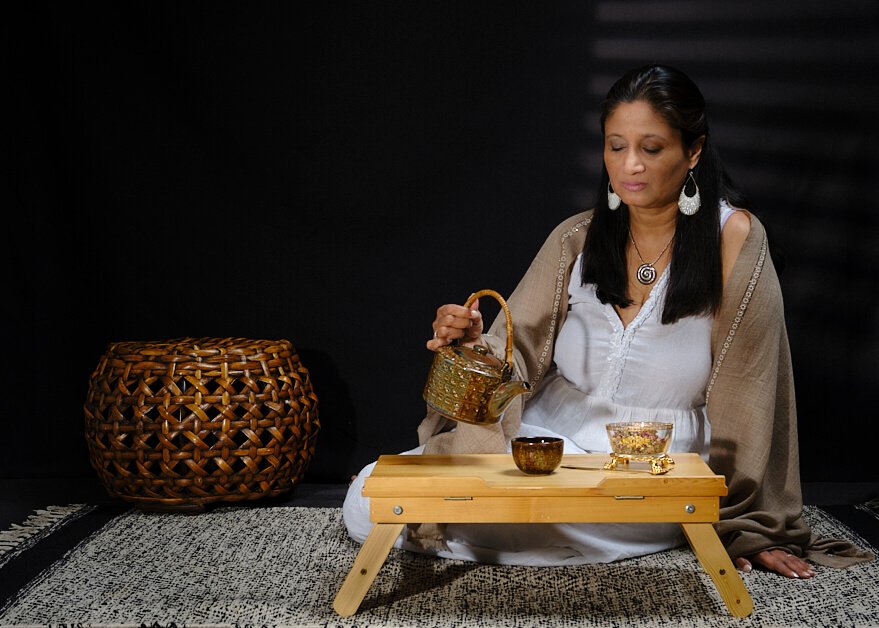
(177, 424)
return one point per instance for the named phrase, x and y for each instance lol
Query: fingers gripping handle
(491, 293)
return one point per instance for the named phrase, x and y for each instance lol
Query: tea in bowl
(639, 438)
(537, 455)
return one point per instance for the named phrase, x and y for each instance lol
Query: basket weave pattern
(196, 420)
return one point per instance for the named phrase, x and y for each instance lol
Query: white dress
(602, 372)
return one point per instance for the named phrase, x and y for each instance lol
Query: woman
(660, 304)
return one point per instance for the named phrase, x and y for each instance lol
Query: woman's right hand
(456, 322)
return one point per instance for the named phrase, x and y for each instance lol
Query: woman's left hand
(777, 560)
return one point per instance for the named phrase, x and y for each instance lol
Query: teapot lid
(475, 358)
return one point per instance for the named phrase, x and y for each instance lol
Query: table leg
(369, 560)
(715, 561)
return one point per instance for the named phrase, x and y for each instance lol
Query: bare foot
(779, 561)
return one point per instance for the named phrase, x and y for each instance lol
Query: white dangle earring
(689, 205)
(613, 199)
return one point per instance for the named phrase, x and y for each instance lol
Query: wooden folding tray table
(488, 488)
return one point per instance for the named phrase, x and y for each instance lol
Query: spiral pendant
(646, 274)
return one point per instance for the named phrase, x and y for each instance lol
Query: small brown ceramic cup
(538, 455)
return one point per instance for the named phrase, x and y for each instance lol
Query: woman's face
(645, 158)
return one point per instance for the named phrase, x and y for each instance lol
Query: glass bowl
(639, 438)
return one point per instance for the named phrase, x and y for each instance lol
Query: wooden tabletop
(497, 475)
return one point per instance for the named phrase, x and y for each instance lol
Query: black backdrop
(331, 175)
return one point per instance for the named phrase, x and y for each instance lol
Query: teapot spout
(503, 395)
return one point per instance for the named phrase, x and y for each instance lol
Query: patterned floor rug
(38, 525)
(284, 565)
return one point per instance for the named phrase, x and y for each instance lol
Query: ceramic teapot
(470, 384)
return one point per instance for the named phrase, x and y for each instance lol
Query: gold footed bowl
(641, 441)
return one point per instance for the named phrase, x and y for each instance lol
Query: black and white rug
(283, 566)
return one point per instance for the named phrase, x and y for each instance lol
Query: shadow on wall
(333, 456)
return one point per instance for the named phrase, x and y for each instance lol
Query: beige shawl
(750, 396)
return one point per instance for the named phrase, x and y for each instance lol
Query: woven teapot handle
(500, 299)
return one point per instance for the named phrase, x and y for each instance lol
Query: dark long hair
(696, 281)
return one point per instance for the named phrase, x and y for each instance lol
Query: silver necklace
(646, 272)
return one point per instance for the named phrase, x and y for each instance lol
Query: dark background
(331, 175)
